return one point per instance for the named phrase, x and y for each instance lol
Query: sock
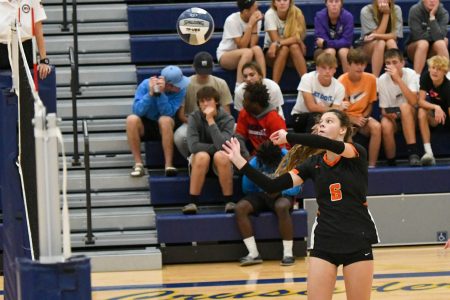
(193, 199)
(391, 162)
(250, 243)
(427, 147)
(412, 149)
(287, 248)
(227, 199)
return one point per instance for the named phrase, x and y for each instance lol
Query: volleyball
(195, 26)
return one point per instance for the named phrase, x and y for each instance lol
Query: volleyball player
(344, 230)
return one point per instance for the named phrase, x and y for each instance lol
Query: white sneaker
(428, 160)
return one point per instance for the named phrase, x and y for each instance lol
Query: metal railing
(89, 238)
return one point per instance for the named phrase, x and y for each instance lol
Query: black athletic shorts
(262, 201)
(4, 59)
(151, 128)
(344, 259)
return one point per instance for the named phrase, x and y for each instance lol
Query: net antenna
(53, 248)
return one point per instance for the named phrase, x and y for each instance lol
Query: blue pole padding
(70, 280)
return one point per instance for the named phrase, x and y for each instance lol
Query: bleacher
(137, 38)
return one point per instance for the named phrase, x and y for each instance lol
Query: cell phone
(392, 110)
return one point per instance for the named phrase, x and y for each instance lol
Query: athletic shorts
(262, 201)
(151, 129)
(344, 259)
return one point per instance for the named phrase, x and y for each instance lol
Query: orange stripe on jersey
(354, 149)
(331, 162)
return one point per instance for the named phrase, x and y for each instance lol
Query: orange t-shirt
(361, 94)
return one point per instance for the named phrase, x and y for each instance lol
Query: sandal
(138, 170)
(171, 171)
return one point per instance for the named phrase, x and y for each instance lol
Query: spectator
(252, 73)
(381, 25)
(333, 31)
(285, 28)
(239, 44)
(318, 92)
(10, 11)
(257, 120)
(203, 66)
(361, 92)
(397, 89)
(434, 102)
(208, 129)
(156, 102)
(427, 21)
(267, 160)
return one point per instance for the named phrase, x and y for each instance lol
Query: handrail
(74, 82)
(73, 88)
(64, 26)
(89, 238)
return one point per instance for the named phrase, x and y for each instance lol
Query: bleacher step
(114, 42)
(104, 27)
(95, 125)
(100, 143)
(99, 75)
(125, 260)
(106, 180)
(110, 199)
(99, 161)
(116, 238)
(93, 58)
(118, 90)
(115, 218)
(88, 13)
(96, 108)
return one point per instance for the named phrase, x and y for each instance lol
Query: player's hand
(44, 70)
(279, 137)
(439, 115)
(232, 150)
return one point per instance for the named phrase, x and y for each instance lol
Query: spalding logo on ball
(195, 26)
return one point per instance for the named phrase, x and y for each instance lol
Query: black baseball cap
(203, 63)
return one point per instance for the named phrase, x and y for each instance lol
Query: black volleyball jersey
(343, 222)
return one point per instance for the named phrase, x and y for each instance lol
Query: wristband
(45, 61)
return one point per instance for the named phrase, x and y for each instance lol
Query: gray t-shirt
(368, 23)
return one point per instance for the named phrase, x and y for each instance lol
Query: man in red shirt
(257, 120)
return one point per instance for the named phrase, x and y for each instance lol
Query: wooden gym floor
(420, 273)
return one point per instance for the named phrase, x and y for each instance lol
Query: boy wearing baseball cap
(156, 103)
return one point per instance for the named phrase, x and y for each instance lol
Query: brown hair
(357, 56)
(326, 59)
(208, 92)
(253, 65)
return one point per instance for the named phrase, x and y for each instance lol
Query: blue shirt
(249, 187)
(154, 107)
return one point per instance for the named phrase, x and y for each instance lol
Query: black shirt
(343, 223)
(437, 95)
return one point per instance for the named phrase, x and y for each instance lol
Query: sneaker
(287, 261)
(171, 171)
(138, 170)
(248, 260)
(414, 160)
(428, 160)
(229, 207)
(190, 209)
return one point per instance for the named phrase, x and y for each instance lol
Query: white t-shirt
(390, 94)
(275, 95)
(272, 22)
(9, 11)
(328, 95)
(234, 27)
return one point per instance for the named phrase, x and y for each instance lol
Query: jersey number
(335, 192)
